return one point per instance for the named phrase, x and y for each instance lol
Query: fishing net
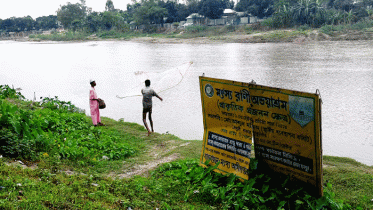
(160, 81)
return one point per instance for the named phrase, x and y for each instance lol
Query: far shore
(272, 36)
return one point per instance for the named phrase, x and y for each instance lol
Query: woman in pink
(93, 104)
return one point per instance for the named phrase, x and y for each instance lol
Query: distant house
(243, 18)
(229, 12)
(194, 19)
(230, 16)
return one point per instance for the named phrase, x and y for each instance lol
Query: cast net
(160, 81)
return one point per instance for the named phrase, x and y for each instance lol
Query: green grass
(353, 181)
(58, 181)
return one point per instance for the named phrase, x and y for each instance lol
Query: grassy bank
(52, 158)
(252, 33)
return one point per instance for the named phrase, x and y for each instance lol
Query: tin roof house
(194, 19)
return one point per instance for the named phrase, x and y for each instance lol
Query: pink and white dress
(93, 104)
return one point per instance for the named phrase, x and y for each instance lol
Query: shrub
(327, 29)
(175, 24)
(7, 92)
(304, 28)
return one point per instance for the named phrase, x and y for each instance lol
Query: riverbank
(223, 34)
(119, 166)
(263, 37)
(136, 183)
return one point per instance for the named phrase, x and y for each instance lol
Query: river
(341, 71)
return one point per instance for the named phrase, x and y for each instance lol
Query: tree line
(281, 13)
(317, 13)
(18, 24)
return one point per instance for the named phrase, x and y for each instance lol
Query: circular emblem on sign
(209, 90)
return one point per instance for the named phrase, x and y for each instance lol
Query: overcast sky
(38, 8)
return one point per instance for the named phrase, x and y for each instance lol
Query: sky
(38, 8)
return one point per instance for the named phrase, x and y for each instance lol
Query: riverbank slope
(163, 173)
(223, 34)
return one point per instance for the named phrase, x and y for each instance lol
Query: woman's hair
(147, 83)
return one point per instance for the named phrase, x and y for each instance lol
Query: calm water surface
(341, 71)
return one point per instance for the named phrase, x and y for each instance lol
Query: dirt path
(159, 154)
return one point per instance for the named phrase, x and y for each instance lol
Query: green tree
(69, 13)
(112, 20)
(129, 13)
(149, 13)
(282, 16)
(260, 8)
(213, 9)
(28, 23)
(6, 24)
(193, 6)
(308, 12)
(109, 6)
(288, 13)
(46, 22)
(363, 9)
(76, 25)
(176, 12)
(345, 5)
(16, 24)
(94, 22)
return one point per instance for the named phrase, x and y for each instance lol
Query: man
(147, 104)
(93, 104)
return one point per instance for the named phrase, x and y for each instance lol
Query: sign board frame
(284, 126)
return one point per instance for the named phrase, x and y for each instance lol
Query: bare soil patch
(158, 154)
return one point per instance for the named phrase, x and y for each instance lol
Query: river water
(341, 71)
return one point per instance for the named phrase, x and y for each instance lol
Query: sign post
(283, 125)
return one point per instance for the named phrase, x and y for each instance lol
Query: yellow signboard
(283, 124)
